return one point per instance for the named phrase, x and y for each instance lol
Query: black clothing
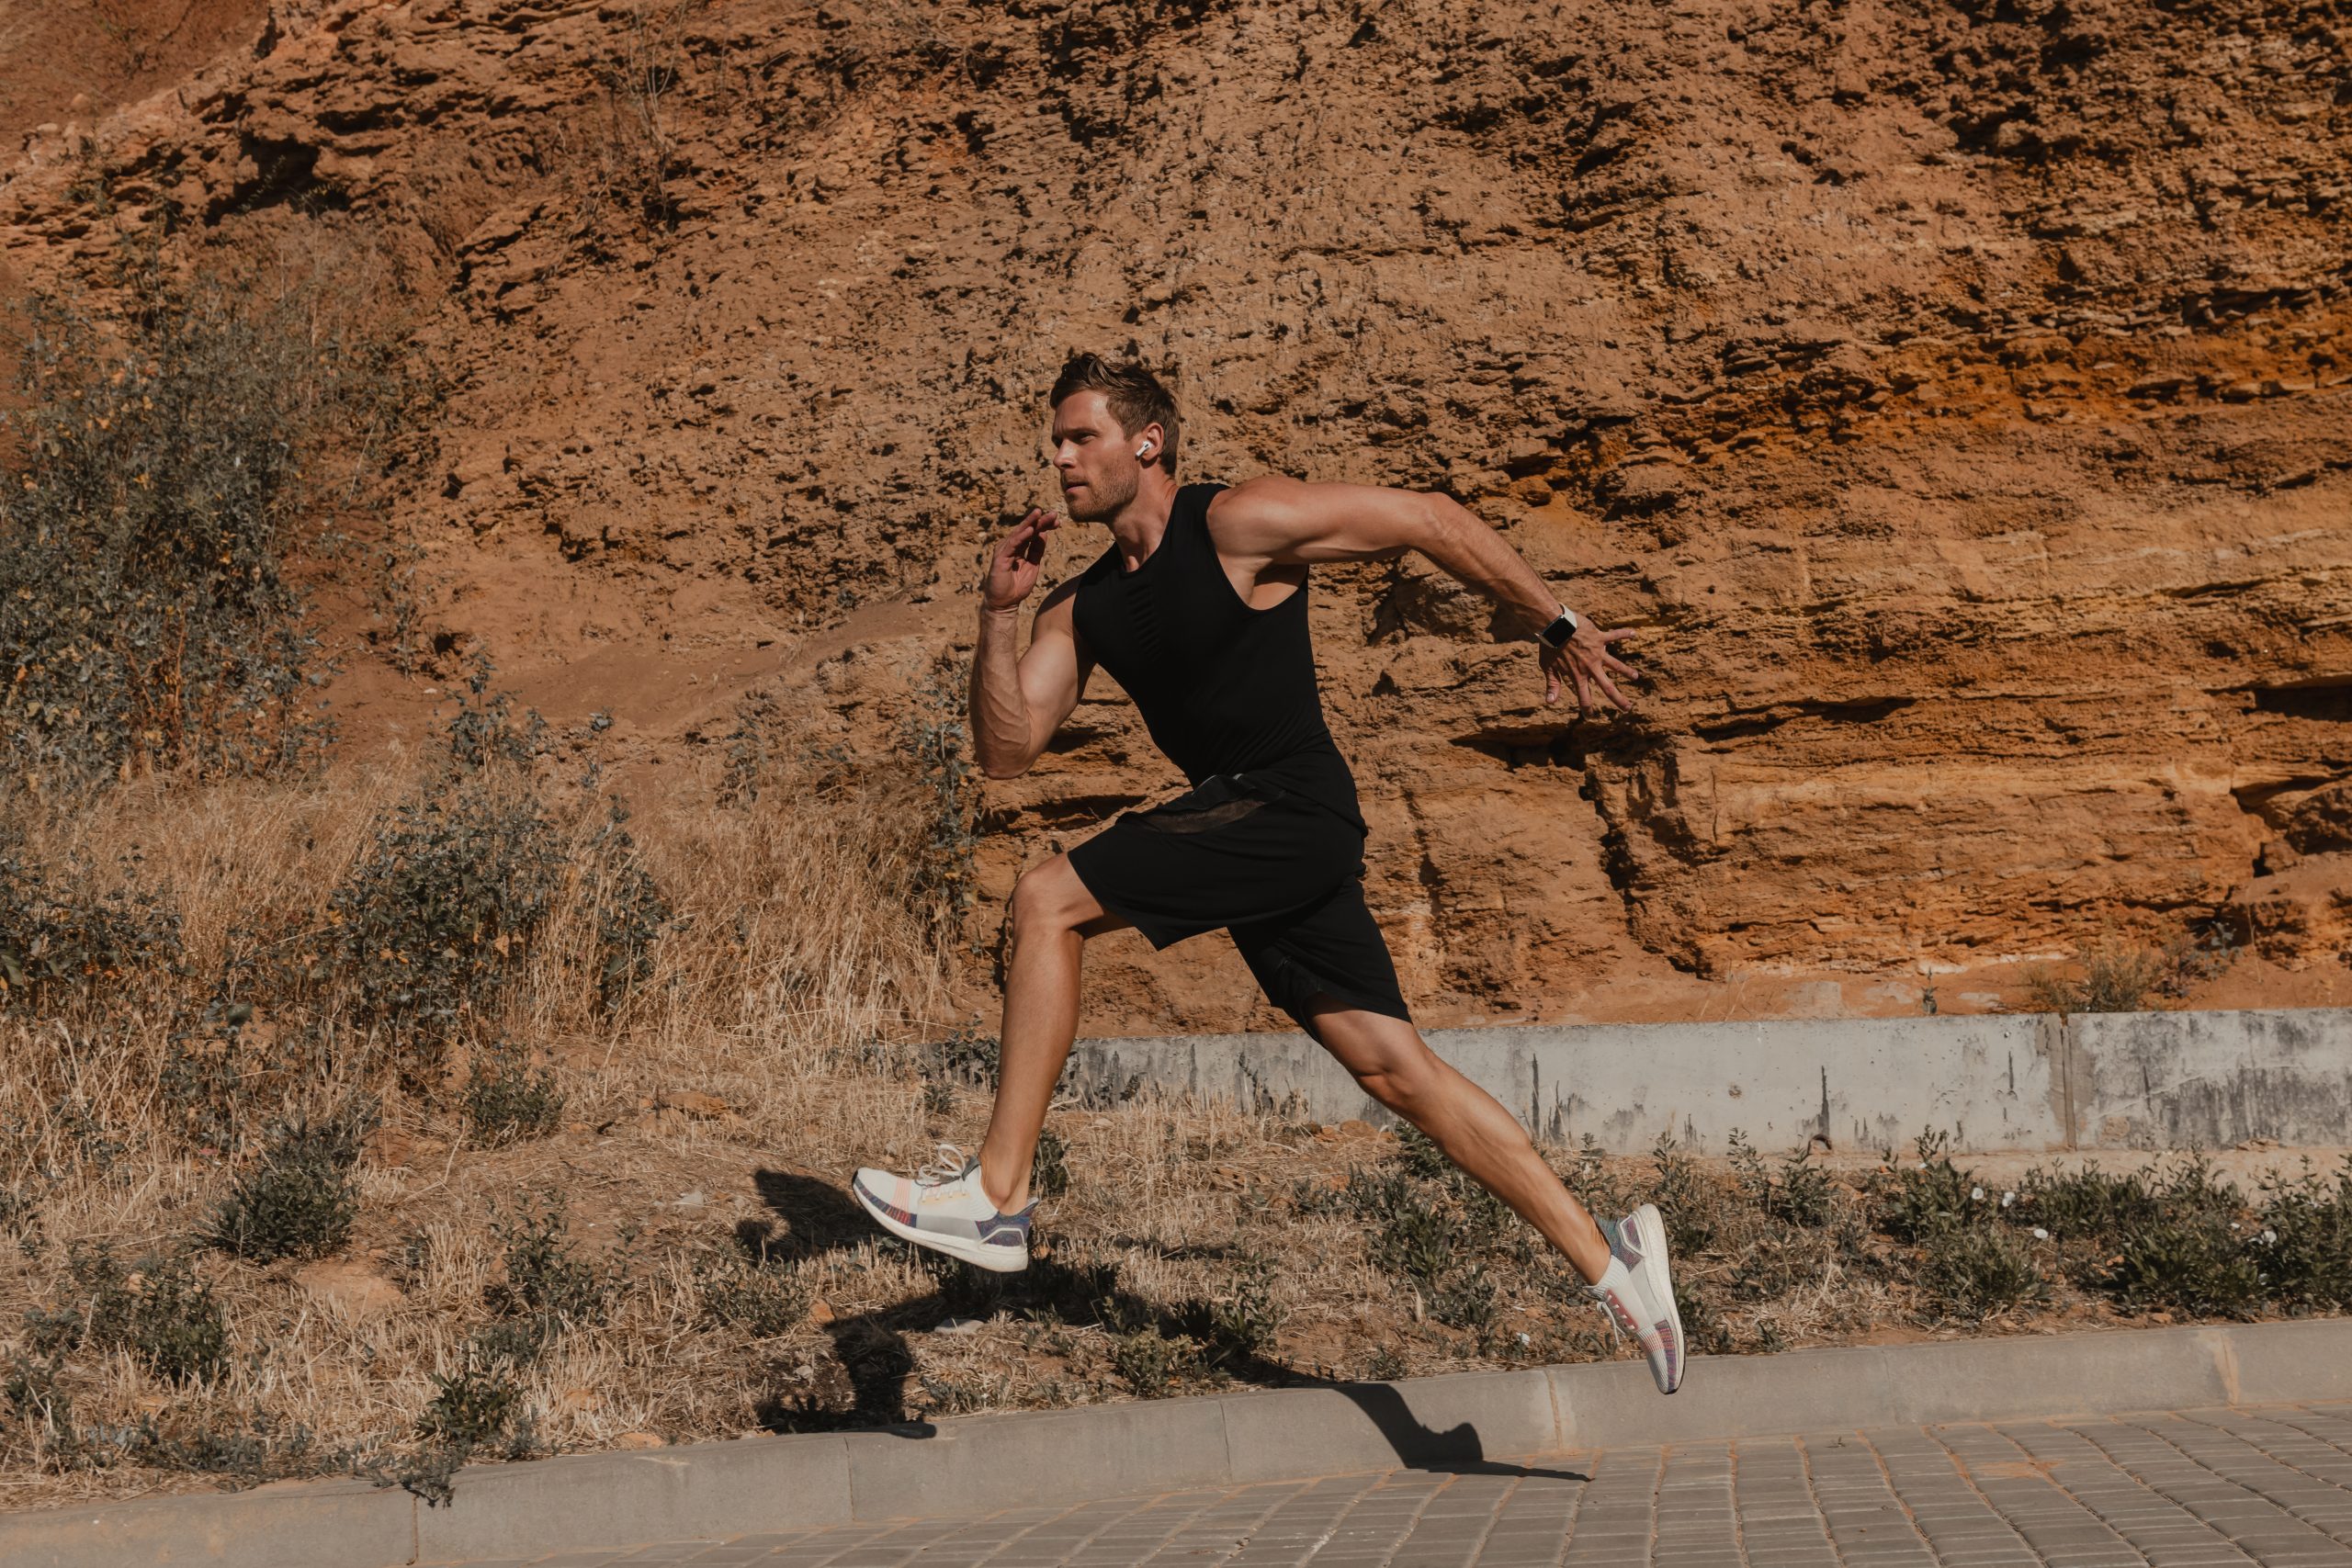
(1224, 688)
(1268, 844)
(1282, 873)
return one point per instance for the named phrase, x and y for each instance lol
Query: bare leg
(1053, 914)
(1397, 1068)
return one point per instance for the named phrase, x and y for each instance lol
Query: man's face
(1093, 458)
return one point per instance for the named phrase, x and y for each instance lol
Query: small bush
(1155, 1365)
(1419, 1156)
(300, 1199)
(156, 1308)
(2308, 1240)
(147, 620)
(2191, 1264)
(1413, 1241)
(1915, 1202)
(1241, 1324)
(1049, 1170)
(483, 731)
(432, 920)
(507, 1103)
(2088, 1204)
(1977, 1270)
(631, 912)
(546, 1282)
(936, 747)
(473, 1406)
(1686, 1199)
(59, 937)
(764, 1299)
(1799, 1193)
(1468, 1299)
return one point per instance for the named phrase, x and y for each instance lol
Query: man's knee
(1048, 899)
(1405, 1076)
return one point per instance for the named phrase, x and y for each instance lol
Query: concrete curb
(713, 1490)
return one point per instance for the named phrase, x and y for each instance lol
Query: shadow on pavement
(875, 1361)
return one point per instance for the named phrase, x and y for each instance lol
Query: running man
(1199, 610)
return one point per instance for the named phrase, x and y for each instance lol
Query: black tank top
(1223, 688)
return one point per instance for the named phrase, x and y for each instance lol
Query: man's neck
(1142, 523)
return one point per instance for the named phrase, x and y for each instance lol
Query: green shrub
(547, 1284)
(432, 920)
(1419, 1156)
(507, 1103)
(1799, 1193)
(156, 1308)
(1687, 1200)
(1914, 1203)
(1413, 1240)
(1468, 1299)
(1156, 1365)
(484, 732)
(631, 912)
(146, 616)
(2191, 1264)
(1049, 1170)
(762, 1297)
(1977, 1270)
(2307, 1240)
(61, 937)
(2087, 1205)
(1241, 1324)
(936, 746)
(301, 1199)
(473, 1406)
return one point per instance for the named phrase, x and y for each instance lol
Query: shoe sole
(1657, 1283)
(980, 1255)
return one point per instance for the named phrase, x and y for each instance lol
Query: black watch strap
(1558, 634)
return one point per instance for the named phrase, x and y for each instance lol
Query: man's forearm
(1002, 728)
(1467, 549)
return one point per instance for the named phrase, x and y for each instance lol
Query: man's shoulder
(1253, 499)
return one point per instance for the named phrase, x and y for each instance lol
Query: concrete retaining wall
(2022, 1082)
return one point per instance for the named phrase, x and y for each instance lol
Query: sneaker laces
(947, 1163)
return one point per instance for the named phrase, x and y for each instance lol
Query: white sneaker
(945, 1210)
(1638, 1292)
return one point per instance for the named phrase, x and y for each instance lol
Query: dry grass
(711, 1120)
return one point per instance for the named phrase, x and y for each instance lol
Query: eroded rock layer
(1955, 393)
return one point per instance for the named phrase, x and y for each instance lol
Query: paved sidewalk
(2190, 1489)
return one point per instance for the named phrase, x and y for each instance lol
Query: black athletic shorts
(1282, 873)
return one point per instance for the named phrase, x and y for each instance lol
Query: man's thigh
(1328, 956)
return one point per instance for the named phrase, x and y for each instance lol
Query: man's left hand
(1587, 661)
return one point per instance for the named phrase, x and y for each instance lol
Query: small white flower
(2040, 1234)
(2269, 1237)
(1523, 1339)
(1976, 1194)
(2007, 1198)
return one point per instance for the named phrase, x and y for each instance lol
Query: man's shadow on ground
(819, 1219)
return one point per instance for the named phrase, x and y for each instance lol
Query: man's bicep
(1291, 522)
(1054, 670)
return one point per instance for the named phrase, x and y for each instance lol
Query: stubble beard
(1102, 499)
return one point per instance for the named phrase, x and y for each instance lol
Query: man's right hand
(1020, 557)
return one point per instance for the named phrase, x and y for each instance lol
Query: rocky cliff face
(1956, 393)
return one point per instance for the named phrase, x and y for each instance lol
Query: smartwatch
(1556, 634)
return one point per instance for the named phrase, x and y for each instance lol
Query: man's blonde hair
(1135, 394)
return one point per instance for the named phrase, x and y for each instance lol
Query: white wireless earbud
(1144, 450)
